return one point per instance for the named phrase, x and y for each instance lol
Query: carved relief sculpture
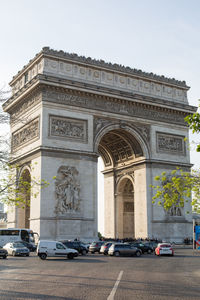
(68, 128)
(170, 143)
(67, 190)
(28, 133)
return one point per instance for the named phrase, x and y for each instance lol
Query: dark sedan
(77, 245)
(30, 246)
(143, 247)
(3, 253)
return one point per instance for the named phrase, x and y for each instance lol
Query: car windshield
(18, 245)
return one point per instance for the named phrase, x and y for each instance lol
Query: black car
(30, 246)
(143, 247)
(3, 253)
(152, 244)
(77, 245)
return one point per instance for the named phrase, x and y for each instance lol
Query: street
(102, 277)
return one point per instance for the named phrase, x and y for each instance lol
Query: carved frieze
(25, 106)
(100, 123)
(119, 174)
(28, 133)
(68, 128)
(168, 143)
(67, 191)
(117, 106)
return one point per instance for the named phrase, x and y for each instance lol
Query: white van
(53, 249)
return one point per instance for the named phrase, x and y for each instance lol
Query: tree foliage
(15, 189)
(177, 188)
(18, 190)
(194, 124)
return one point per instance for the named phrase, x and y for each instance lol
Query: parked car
(30, 246)
(3, 253)
(105, 247)
(54, 249)
(164, 249)
(143, 247)
(124, 249)
(95, 247)
(77, 245)
(16, 249)
(152, 244)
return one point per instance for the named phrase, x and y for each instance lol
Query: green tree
(177, 188)
(194, 124)
(13, 189)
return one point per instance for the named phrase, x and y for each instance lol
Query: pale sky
(156, 36)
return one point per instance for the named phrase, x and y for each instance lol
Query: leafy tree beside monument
(174, 190)
(14, 190)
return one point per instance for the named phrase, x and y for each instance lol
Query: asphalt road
(102, 277)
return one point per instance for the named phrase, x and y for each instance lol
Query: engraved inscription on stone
(170, 143)
(67, 190)
(69, 128)
(28, 133)
(128, 206)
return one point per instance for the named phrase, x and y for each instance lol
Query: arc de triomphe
(66, 111)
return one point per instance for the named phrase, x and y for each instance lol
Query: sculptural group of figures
(67, 190)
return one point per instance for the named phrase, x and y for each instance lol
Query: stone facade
(66, 111)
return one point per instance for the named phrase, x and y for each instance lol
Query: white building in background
(66, 111)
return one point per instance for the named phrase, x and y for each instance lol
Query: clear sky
(156, 36)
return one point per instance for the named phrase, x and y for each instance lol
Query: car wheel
(13, 253)
(116, 253)
(70, 256)
(5, 256)
(149, 251)
(138, 253)
(84, 252)
(43, 256)
(27, 254)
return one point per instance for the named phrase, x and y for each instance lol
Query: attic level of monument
(98, 73)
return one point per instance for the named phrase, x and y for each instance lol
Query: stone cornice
(46, 51)
(53, 152)
(98, 90)
(133, 108)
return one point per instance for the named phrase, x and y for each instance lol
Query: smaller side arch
(24, 191)
(125, 211)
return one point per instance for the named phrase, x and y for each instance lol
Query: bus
(16, 234)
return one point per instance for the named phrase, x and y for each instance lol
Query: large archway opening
(23, 215)
(119, 151)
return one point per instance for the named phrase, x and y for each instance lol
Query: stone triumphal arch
(66, 111)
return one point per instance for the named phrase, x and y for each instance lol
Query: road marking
(112, 294)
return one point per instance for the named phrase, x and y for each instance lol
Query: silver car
(124, 250)
(16, 248)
